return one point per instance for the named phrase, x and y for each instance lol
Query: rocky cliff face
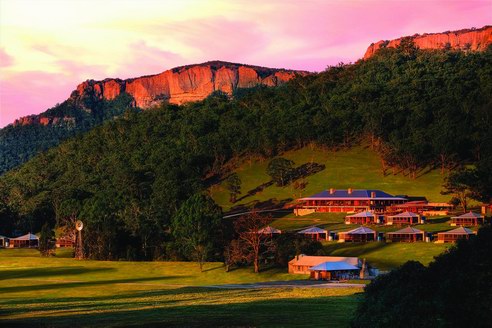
(185, 84)
(469, 39)
(177, 86)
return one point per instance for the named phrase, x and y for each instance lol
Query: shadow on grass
(273, 312)
(49, 272)
(138, 298)
(16, 289)
(215, 268)
(270, 204)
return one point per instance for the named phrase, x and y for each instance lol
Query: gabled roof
(354, 194)
(306, 260)
(333, 266)
(470, 215)
(269, 230)
(359, 231)
(365, 214)
(407, 230)
(312, 230)
(404, 215)
(458, 231)
(28, 236)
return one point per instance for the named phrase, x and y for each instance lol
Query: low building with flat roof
(302, 263)
(339, 270)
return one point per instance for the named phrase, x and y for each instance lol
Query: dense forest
(19, 143)
(128, 178)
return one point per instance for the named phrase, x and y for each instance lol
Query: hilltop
(461, 40)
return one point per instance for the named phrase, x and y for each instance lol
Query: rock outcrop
(186, 83)
(468, 39)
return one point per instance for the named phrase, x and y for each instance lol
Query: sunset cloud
(48, 47)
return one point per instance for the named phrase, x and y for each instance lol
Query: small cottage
(454, 235)
(407, 234)
(467, 219)
(360, 234)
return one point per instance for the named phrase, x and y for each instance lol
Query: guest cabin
(360, 234)
(315, 233)
(405, 218)
(349, 201)
(453, 235)
(406, 235)
(467, 219)
(27, 241)
(364, 217)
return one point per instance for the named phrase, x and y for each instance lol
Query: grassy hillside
(358, 168)
(387, 256)
(61, 292)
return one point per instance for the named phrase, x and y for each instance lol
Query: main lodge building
(350, 200)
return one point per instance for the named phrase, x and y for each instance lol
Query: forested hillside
(23, 140)
(128, 178)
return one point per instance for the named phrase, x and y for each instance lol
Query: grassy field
(386, 256)
(358, 168)
(62, 292)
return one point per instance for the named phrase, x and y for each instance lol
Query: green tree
(46, 240)
(233, 184)
(196, 227)
(254, 243)
(461, 184)
(280, 170)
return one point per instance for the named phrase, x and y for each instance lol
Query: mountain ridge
(465, 39)
(185, 83)
(177, 85)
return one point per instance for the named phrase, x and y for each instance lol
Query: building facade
(349, 201)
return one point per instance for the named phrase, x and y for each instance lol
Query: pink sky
(48, 47)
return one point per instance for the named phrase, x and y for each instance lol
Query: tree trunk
(257, 264)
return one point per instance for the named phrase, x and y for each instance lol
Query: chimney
(373, 194)
(349, 190)
(332, 191)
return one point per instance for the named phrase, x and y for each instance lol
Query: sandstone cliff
(186, 83)
(468, 39)
(177, 86)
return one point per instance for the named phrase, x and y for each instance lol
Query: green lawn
(62, 292)
(358, 168)
(386, 256)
